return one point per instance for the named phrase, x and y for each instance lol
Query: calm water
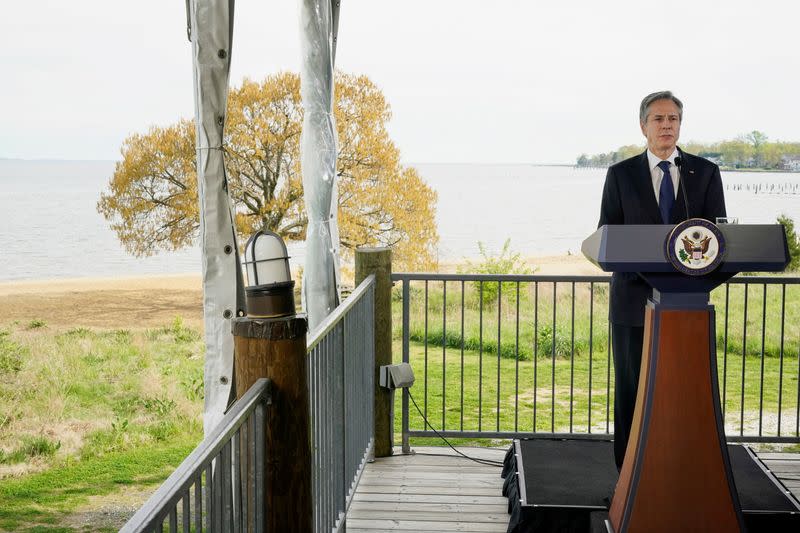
(550, 210)
(50, 228)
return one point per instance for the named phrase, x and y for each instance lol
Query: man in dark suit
(664, 185)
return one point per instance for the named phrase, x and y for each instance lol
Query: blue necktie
(666, 196)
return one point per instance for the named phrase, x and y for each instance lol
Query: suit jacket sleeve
(611, 206)
(714, 205)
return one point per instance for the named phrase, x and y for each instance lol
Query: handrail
(599, 278)
(541, 324)
(422, 276)
(158, 506)
(341, 366)
(332, 319)
(765, 280)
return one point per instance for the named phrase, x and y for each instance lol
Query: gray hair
(644, 108)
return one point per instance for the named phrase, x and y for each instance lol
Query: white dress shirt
(657, 174)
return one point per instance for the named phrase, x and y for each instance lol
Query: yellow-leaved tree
(152, 203)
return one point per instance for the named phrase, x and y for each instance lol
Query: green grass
(30, 447)
(534, 319)
(86, 412)
(525, 393)
(46, 497)
(528, 319)
(511, 407)
(527, 325)
(530, 368)
(11, 354)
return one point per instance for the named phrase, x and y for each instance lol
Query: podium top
(640, 248)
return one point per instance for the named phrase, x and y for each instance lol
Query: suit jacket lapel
(644, 186)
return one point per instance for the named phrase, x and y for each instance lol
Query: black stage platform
(566, 486)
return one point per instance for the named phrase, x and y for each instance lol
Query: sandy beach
(149, 301)
(138, 302)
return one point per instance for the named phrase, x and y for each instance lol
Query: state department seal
(695, 247)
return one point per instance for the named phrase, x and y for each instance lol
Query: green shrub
(506, 262)
(32, 446)
(78, 333)
(509, 348)
(126, 405)
(793, 241)
(12, 354)
(37, 323)
(563, 344)
(163, 430)
(39, 446)
(194, 385)
(119, 336)
(160, 407)
(453, 341)
(182, 332)
(177, 331)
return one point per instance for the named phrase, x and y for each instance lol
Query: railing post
(406, 442)
(276, 348)
(378, 261)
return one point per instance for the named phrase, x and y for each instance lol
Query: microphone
(681, 185)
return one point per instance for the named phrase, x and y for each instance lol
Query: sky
(485, 82)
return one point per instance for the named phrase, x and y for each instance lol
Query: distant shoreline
(759, 170)
(723, 169)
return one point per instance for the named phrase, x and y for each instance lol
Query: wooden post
(378, 261)
(276, 349)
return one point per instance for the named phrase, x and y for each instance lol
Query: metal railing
(786, 342)
(341, 376)
(506, 356)
(211, 489)
(218, 486)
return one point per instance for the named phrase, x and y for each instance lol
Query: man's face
(663, 127)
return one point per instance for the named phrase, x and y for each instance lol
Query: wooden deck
(786, 467)
(436, 491)
(429, 493)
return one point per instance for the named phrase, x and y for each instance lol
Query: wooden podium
(676, 475)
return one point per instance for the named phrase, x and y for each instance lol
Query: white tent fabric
(318, 151)
(211, 33)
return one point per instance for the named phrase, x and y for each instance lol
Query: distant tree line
(751, 151)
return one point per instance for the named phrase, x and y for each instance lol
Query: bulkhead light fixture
(270, 289)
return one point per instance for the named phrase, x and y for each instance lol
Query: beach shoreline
(147, 301)
(108, 303)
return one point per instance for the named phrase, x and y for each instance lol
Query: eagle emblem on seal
(695, 247)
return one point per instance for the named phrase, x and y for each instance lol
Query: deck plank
(362, 506)
(433, 490)
(781, 456)
(433, 516)
(428, 498)
(420, 525)
(437, 491)
(786, 467)
(412, 489)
